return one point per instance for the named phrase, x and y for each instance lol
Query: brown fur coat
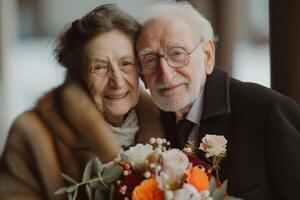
(40, 145)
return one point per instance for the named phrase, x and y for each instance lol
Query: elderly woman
(97, 51)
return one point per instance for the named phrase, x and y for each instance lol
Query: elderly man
(176, 52)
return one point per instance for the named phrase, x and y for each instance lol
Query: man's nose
(166, 73)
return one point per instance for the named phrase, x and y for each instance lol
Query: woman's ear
(209, 51)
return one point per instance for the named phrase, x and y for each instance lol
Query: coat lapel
(216, 106)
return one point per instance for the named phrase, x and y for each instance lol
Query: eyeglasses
(103, 70)
(175, 57)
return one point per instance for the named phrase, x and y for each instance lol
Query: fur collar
(48, 109)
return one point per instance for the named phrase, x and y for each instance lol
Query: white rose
(137, 156)
(174, 163)
(187, 192)
(213, 145)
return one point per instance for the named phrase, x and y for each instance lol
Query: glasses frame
(140, 70)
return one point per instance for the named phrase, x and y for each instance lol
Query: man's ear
(209, 51)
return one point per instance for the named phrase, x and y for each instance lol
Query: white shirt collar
(194, 115)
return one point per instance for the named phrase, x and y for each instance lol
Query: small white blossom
(152, 140)
(147, 174)
(159, 141)
(169, 195)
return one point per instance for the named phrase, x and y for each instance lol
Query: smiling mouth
(117, 96)
(171, 89)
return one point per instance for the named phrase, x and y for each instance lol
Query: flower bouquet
(155, 171)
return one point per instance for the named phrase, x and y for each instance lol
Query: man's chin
(170, 105)
(174, 103)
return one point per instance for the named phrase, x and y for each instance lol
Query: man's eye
(176, 53)
(150, 58)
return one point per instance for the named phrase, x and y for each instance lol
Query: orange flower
(198, 178)
(148, 190)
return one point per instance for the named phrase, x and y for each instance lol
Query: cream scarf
(127, 131)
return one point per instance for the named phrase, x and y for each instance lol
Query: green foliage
(97, 187)
(112, 189)
(112, 174)
(89, 192)
(212, 184)
(61, 191)
(219, 193)
(100, 194)
(68, 178)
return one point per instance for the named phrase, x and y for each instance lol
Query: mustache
(177, 80)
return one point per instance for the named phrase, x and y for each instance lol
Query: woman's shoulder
(28, 125)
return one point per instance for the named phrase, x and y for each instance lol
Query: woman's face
(112, 78)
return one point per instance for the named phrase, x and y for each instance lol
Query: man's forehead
(165, 35)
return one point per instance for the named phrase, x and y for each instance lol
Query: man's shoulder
(257, 98)
(252, 91)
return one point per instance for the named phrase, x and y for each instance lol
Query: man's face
(174, 89)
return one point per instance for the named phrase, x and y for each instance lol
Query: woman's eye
(127, 63)
(100, 67)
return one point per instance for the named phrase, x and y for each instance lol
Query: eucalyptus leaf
(100, 194)
(112, 189)
(98, 166)
(220, 192)
(88, 170)
(98, 185)
(95, 184)
(68, 178)
(71, 188)
(61, 191)
(69, 195)
(89, 192)
(212, 184)
(111, 174)
(75, 194)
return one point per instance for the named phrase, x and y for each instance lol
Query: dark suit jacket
(262, 128)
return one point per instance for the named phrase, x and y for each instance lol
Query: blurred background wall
(29, 28)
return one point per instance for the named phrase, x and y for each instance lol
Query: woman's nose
(116, 79)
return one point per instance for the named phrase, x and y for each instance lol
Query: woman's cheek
(99, 103)
(96, 88)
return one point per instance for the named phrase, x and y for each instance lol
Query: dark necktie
(183, 130)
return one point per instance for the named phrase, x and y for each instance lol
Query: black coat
(262, 128)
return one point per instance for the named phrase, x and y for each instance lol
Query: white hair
(182, 9)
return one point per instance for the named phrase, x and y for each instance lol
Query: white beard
(178, 101)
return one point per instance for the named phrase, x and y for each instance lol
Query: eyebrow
(148, 50)
(126, 57)
(95, 59)
(145, 51)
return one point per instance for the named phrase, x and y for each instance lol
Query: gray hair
(182, 9)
